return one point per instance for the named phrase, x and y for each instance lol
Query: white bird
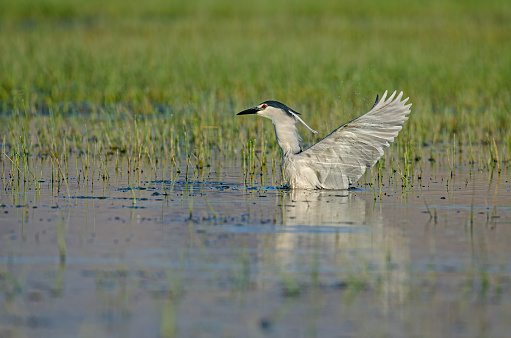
(342, 157)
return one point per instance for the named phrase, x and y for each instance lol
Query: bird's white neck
(287, 136)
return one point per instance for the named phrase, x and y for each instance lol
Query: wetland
(134, 203)
(149, 249)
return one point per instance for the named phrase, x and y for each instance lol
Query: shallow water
(152, 254)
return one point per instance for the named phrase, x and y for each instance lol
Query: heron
(341, 158)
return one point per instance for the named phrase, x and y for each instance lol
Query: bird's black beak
(249, 111)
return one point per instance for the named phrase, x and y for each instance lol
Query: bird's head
(278, 112)
(273, 110)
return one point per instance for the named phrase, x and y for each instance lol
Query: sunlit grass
(100, 100)
(160, 83)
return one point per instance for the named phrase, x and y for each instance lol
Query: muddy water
(151, 254)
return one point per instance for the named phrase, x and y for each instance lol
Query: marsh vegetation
(132, 200)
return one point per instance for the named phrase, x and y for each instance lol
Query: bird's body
(342, 157)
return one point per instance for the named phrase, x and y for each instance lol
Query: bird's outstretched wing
(342, 157)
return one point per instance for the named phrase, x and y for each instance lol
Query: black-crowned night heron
(342, 157)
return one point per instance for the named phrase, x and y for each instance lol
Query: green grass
(159, 79)
(94, 92)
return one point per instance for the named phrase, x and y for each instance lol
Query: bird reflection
(344, 231)
(323, 208)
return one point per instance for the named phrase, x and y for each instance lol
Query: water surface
(153, 254)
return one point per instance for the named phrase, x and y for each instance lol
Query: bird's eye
(264, 106)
